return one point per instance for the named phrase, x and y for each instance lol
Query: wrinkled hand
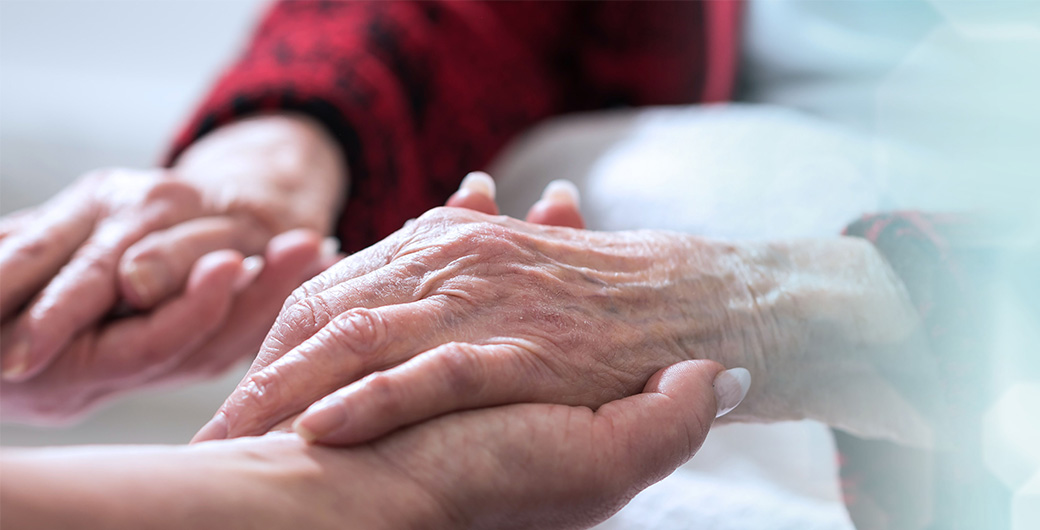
(462, 310)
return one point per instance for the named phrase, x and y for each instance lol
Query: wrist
(836, 338)
(282, 169)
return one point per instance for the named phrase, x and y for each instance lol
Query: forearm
(275, 481)
(284, 165)
(123, 487)
(826, 325)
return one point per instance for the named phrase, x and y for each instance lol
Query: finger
(332, 274)
(477, 192)
(289, 258)
(451, 377)
(100, 364)
(139, 347)
(85, 289)
(298, 322)
(30, 257)
(353, 344)
(559, 206)
(157, 266)
(649, 435)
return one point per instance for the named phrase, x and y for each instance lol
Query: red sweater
(420, 93)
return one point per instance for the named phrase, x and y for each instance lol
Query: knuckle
(33, 248)
(490, 240)
(381, 389)
(310, 313)
(388, 397)
(310, 288)
(360, 330)
(463, 369)
(258, 393)
(294, 298)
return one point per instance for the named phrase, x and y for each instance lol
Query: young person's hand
(518, 466)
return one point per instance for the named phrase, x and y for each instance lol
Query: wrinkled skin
(516, 466)
(462, 310)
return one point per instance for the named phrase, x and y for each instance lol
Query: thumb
(477, 192)
(559, 206)
(649, 435)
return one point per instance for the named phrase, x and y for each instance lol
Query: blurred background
(938, 99)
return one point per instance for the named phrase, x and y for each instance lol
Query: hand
(471, 311)
(526, 466)
(460, 310)
(224, 310)
(136, 234)
(122, 239)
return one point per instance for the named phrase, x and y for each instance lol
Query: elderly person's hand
(197, 334)
(461, 310)
(517, 466)
(73, 270)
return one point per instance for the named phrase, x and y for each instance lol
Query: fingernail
(319, 421)
(251, 268)
(215, 429)
(730, 388)
(562, 190)
(479, 182)
(16, 361)
(146, 279)
(329, 247)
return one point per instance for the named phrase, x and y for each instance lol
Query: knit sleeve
(419, 93)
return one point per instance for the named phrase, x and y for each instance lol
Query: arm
(266, 482)
(531, 466)
(499, 311)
